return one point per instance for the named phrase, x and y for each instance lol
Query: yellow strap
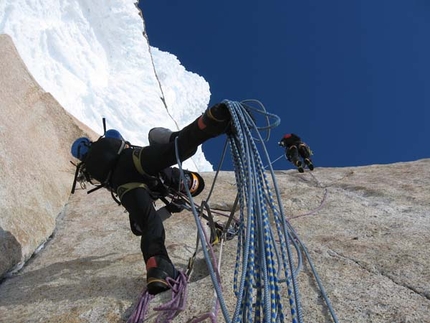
(122, 189)
(136, 160)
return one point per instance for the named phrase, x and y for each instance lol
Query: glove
(175, 206)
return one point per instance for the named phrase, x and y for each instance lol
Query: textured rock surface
(365, 228)
(35, 136)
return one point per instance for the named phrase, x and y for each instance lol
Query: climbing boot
(216, 120)
(309, 163)
(305, 152)
(158, 270)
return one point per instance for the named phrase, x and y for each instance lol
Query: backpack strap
(121, 148)
(155, 184)
(137, 153)
(78, 168)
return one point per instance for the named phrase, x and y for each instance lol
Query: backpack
(102, 158)
(99, 161)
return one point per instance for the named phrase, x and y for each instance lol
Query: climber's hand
(176, 206)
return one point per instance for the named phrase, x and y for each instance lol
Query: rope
(213, 270)
(145, 35)
(160, 86)
(299, 245)
(256, 278)
(177, 303)
(168, 310)
(141, 308)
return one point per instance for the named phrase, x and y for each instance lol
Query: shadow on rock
(200, 270)
(84, 278)
(10, 252)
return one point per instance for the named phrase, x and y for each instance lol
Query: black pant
(144, 220)
(138, 202)
(160, 156)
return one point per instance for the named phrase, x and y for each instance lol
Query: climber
(295, 150)
(140, 175)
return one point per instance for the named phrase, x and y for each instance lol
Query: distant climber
(297, 152)
(140, 175)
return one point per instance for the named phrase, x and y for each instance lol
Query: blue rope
(202, 238)
(256, 282)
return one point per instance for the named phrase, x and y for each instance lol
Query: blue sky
(352, 78)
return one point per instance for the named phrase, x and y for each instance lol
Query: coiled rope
(259, 265)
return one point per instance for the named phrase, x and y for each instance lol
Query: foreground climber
(296, 151)
(140, 175)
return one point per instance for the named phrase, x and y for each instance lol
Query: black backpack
(99, 163)
(102, 158)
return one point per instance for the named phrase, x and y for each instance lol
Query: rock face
(35, 136)
(366, 230)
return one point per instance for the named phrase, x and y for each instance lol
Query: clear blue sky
(352, 78)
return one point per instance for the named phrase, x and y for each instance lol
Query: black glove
(216, 120)
(176, 206)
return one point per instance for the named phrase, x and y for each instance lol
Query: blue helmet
(80, 147)
(112, 133)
